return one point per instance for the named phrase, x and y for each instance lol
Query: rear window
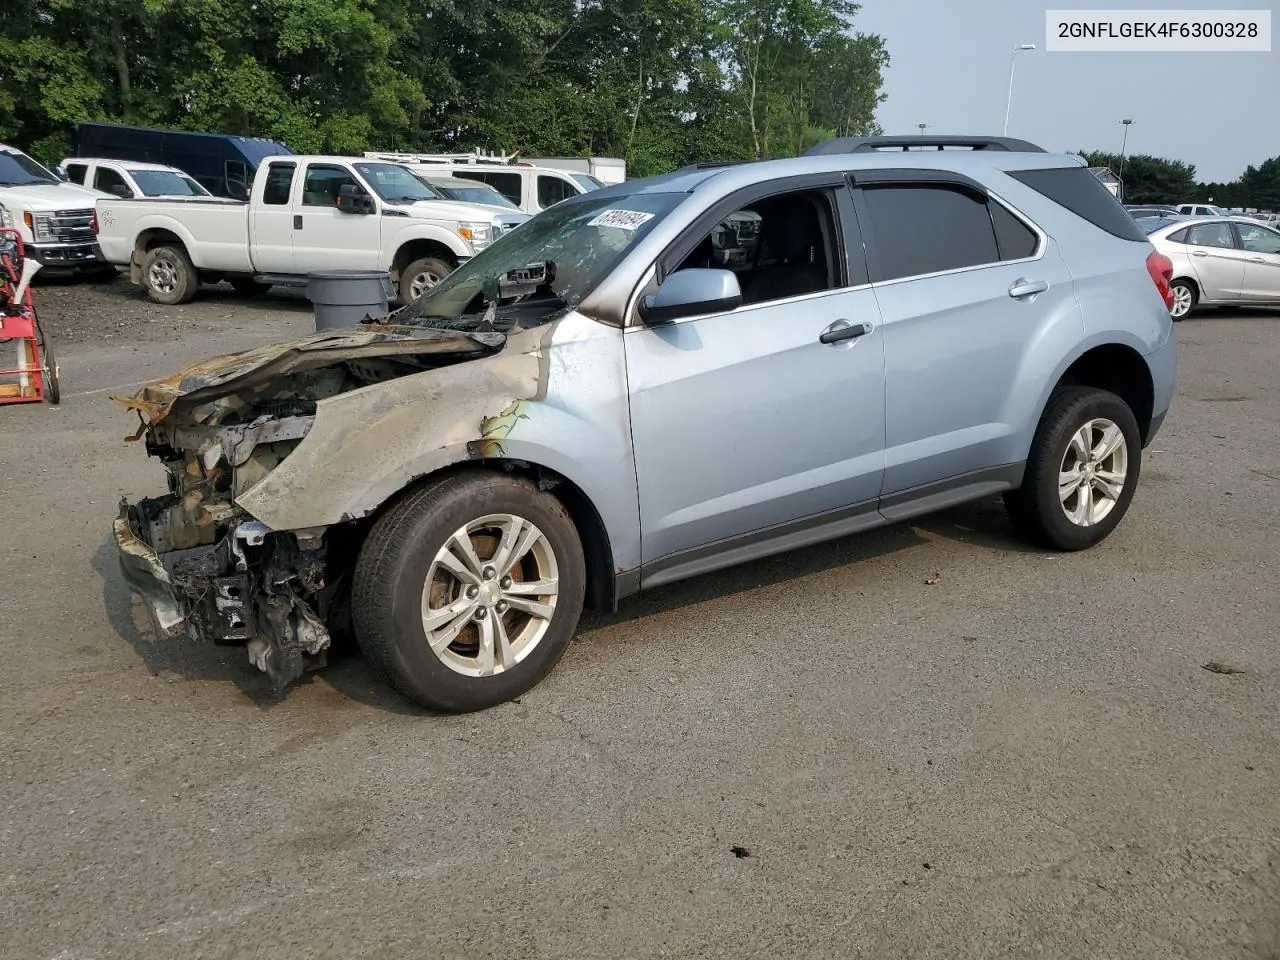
(1084, 195)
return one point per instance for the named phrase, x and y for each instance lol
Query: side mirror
(687, 293)
(351, 199)
(62, 174)
(121, 191)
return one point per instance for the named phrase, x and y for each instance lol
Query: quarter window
(928, 228)
(1211, 235)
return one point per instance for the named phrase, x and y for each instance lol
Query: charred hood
(237, 387)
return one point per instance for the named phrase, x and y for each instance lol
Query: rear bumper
(1163, 364)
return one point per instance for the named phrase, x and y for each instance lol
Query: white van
(530, 188)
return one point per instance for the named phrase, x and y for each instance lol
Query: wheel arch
(435, 244)
(1116, 367)
(151, 237)
(602, 579)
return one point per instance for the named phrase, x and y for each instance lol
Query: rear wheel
(1082, 470)
(168, 275)
(1184, 298)
(468, 592)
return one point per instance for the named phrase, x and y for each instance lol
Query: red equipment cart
(35, 376)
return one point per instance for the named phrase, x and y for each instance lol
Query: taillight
(1161, 269)
(95, 231)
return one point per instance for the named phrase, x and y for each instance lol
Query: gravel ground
(927, 741)
(110, 309)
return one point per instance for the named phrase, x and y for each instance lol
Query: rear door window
(1211, 235)
(930, 228)
(279, 183)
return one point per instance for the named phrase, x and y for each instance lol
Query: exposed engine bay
(204, 565)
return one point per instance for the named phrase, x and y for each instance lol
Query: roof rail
(873, 144)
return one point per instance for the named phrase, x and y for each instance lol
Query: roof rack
(873, 144)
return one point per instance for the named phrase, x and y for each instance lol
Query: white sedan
(1218, 261)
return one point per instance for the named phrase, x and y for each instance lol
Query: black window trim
(705, 222)
(945, 178)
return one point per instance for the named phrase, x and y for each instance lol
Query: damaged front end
(202, 564)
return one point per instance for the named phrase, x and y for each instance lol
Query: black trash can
(343, 298)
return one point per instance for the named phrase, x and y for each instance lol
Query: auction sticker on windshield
(622, 219)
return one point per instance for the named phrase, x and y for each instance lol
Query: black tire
(49, 366)
(427, 265)
(392, 570)
(185, 281)
(1035, 508)
(248, 287)
(1190, 288)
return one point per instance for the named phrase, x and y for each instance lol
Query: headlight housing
(6, 218)
(38, 224)
(476, 234)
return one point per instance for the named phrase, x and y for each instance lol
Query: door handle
(1027, 288)
(1198, 253)
(297, 221)
(836, 334)
(1257, 260)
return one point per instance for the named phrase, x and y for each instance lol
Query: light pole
(1013, 60)
(1124, 142)
(922, 126)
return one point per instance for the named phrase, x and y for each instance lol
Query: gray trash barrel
(345, 297)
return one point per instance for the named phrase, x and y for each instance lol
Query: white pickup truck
(304, 213)
(55, 218)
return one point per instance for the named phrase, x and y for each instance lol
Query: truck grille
(71, 226)
(504, 224)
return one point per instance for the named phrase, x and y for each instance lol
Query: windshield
(586, 181)
(477, 194)
(167, 183)
(17, 169)
(394, 183)
(576, 244)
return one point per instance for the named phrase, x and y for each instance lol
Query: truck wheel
(468, 591)
(248, 287)
(1082, 470)
(420, 276)
(168, 276)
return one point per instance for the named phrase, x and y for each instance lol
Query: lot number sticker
(622, 219)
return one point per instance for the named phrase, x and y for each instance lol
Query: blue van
(223, 164)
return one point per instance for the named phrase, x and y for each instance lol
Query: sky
(950, 69)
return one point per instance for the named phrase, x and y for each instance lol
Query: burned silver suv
(597, 403)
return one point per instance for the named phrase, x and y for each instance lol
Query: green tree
(1149, 179)
(1261, 185)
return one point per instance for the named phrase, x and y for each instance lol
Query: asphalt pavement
(927, 741)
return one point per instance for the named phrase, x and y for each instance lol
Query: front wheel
(169, 276)
(420, 276)
(468, 591)
(1082, 470)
